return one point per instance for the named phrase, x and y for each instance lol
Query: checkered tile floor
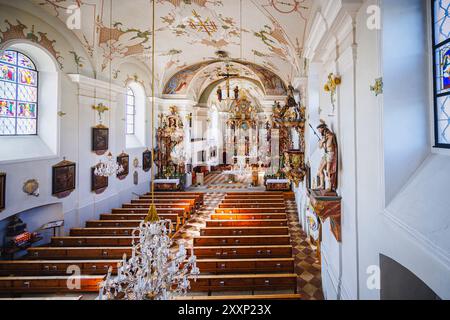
(307, 265)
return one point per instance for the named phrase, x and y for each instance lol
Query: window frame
(17, 93)
(128, 114)
(436, 76)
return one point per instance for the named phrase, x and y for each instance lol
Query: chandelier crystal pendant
(108, 167)
(155, 271)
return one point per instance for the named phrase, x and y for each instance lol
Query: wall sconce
(100, 108)
(331, 87)
(377, 88)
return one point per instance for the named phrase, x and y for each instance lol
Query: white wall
(395, 194)
(75, 95)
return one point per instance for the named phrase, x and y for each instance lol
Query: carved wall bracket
(327, 205)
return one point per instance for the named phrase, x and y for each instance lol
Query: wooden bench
(244, 231)
(258, 297)
(243, 252)
(251, 205)
(250, 210)
(246, 223)
(56, 267)
(91, 241)
(49, 284)
(162, 212)
(66, 253)
(280, 265)
(245, 282)
(101, 232)
(189, 209)
(176, 219)
(204, 241)
(250, 200)
(249, 216)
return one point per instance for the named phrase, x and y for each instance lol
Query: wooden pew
(249, 216)
(161, 211)
(244, 231)
(188, 209)
(250, 200)
(243, 252)
(101, 232)
(230, 266)
(245, 282)
(258, 297)
(246, 223)
(140, 216)
(250, 210)
(66, 253)
(49, 284)
(251, 205)
(204, 241)
(55, 267)
(182, 195)
(113, 223)
(91, 241)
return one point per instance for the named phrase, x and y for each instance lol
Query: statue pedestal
(327, 205)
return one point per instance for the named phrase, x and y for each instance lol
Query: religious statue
(329, 165)
(219, 94)
(236, 93)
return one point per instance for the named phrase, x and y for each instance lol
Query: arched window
(18, 95)
(131, 112)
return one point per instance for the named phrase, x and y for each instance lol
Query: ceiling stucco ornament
(190, 32)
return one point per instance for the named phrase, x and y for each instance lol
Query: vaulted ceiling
(190, 32)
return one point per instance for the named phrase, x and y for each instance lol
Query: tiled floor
(307, 265)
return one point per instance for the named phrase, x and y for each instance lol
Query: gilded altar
(169, 151)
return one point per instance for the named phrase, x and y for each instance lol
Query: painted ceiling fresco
(189, 32)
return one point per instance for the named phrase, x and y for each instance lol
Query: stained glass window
(18, 95)
(130, 111)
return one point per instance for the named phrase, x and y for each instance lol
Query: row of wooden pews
(92, 250)
(245, 250)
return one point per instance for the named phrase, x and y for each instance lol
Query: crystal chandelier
(108, 167)
(154, 271)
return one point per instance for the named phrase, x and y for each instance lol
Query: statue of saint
(329, 166)
(219, 94)
(236, 93)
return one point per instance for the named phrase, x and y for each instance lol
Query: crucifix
(227, 75)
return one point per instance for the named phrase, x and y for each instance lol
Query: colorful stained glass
(18, 95)
(26, 110)
(442, 20)
(7, 72)
(27, 77)
(7, 108)
(25, 62)
(9, 57)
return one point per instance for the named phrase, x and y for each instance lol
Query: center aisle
(244, 248)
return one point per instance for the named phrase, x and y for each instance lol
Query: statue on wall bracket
(328, 170)
(325, 200)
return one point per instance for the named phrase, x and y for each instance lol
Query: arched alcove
(46, 143)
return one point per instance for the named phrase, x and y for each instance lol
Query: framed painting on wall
(2, 191)
(100, 139)
(123, 160)
(63, 178)
(98, 183)
(147, 161)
